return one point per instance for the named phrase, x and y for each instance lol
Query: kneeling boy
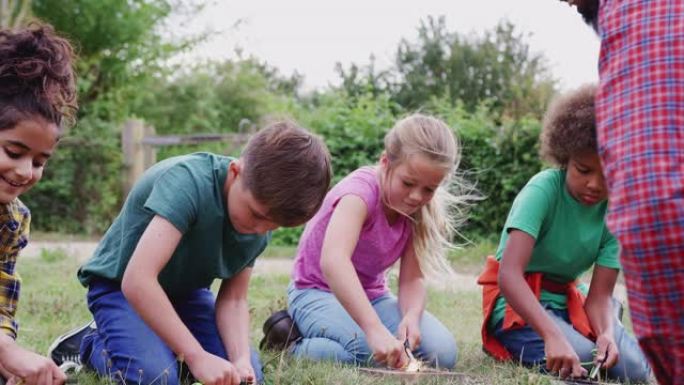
(189, 220)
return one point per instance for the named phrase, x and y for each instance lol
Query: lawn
(53, 302)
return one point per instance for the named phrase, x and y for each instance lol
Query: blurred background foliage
(490, 88)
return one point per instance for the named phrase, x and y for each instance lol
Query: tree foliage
(497, 69)
(14, 13)
(121, 52)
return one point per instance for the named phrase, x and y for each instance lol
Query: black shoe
(67, 348)
(279, 332)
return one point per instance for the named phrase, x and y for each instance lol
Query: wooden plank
(172, 140)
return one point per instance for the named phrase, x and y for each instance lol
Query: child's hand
(606, 343)
(245, 370)
(213, 370)
(30, 368)
(562, 359)
(387, 349)
(409, 329)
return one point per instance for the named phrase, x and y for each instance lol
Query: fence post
(132, 135)
(149, 151)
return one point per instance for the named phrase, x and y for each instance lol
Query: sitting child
(535, 309)
(37, 101)
(376, 216)
(188, 221)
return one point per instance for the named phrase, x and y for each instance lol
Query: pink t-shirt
(380, 244)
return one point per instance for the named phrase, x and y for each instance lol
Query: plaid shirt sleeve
(14, 229)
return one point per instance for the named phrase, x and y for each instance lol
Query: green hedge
(81, 188)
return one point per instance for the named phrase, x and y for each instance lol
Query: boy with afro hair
(536, 310)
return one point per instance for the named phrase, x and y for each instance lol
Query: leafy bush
(81, 189)
(500, 160)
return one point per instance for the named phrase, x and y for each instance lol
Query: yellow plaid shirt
(15, 219)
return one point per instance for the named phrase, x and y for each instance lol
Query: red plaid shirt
(640, 114)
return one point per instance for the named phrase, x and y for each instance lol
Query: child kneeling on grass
(189, 220)
(37, 100)
(395, 211)
(535, 309)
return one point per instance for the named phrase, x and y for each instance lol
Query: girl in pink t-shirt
(397, 210)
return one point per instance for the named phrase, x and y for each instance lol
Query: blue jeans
(527, 346)
(127, 350)
(331, 334)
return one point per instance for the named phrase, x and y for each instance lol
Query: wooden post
(132, 136)
(149, 151)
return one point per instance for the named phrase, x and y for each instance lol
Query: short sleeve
(175, 197)
(360, 186)
(529, 210)
(608, 254)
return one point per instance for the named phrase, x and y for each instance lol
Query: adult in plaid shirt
(37, 92)
(640, 116)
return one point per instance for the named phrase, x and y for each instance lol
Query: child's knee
(632, 367)
(323, 349)
(152, 369)
(442, 352)
(447, 357)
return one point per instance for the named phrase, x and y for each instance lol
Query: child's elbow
(327, 265)
(130, 286)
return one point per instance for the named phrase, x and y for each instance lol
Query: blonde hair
(436, 223)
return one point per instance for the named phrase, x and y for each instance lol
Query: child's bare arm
(339, 243)
(599, 308)
(232, 318)
(411, 297)
(143, 291)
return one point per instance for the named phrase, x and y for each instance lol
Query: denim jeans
(127, 350)
(527, 346)
(331, 334)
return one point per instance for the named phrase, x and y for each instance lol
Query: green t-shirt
(188, 192)
(569, 236)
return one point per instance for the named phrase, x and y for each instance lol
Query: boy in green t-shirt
(535, 310)
(189, 220)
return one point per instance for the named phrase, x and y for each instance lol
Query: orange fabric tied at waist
(512, 320)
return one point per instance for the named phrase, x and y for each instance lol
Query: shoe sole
(68, 335)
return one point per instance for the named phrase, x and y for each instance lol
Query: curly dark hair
(36, 76)
(569, 126)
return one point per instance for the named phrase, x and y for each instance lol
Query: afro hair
(569, 126)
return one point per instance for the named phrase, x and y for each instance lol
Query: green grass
(53, 302)
(60, 237)
(273, 251)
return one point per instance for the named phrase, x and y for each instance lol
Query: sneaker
(279, 332)
(67, 347)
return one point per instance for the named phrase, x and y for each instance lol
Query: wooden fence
(139, 145)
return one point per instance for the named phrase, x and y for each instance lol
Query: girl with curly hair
(37, 99)
(536, 310)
